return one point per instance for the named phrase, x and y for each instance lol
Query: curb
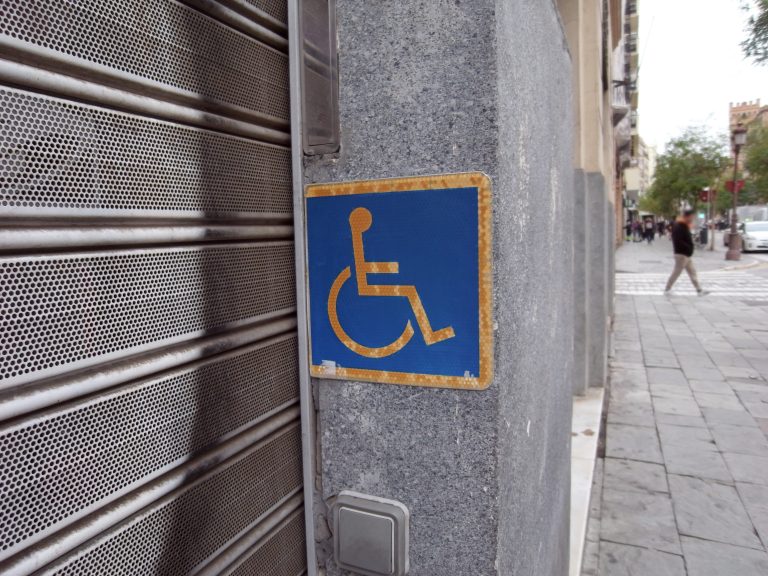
(753, 264)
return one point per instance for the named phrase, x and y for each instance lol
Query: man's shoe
(704, 292)
(667, 293)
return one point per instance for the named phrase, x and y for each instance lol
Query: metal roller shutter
(149, 380)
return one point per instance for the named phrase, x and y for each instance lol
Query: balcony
(631, 43)
(632, 16)
(631, 62)
(618, 114)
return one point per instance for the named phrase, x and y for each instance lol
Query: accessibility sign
(400, 280)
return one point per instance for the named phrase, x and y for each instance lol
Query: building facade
(155, 392)
(639, 176)
(602, 37)
(749, 114)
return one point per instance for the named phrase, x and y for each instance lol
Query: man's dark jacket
(682, 239)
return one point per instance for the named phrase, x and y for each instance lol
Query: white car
(754, 236)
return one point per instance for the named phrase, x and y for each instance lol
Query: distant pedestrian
(650, 231)
(636, 231)
(682, 243)
(662, 228)
(628, 230)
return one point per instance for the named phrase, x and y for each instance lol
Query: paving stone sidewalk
(683, 487)
(640, 257)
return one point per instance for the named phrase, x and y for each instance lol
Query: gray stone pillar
(580, 298)
(597, 277)
(434, 87)
(610, 246)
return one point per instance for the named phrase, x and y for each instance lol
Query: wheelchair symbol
(360, 221)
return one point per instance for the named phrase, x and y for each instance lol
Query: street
(318, 288)
(682, 485)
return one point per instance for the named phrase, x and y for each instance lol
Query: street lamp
(738, 139)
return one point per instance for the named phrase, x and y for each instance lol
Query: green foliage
(756, 44)
(756, 164)
(649, 203)
(691, 162)
(724, 200)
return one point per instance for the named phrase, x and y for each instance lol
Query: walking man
(650, 231)
(682, 242)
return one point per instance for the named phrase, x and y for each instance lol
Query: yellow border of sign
(485, 281)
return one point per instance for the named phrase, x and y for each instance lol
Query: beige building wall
(592, 82)
(594, 146)
(583, 25)
(595, 180)
(570, 14)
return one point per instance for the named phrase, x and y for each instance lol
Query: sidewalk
(643, 258)
(683, 487)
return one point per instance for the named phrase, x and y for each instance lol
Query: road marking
(740, 284)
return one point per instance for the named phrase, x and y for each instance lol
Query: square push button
(370, 535)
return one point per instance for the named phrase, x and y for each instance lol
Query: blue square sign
(399, 275)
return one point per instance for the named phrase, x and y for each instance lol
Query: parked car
(754, 236)
(752, 213)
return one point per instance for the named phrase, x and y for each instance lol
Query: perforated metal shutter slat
(161, 40)
(278, 9)
(276, 556)
(60, 154)
(181, 534)
(180, 457)
(76, 457)
(61, 310)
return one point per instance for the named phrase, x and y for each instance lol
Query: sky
(692, 67)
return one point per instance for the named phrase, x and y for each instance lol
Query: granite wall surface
(535, 254)
(580, 289)
(599, 249)
(436, 86)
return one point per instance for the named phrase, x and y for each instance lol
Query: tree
(756, 44)
(724, 199)
(756, 165)
(691, 162)
(649, 203)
